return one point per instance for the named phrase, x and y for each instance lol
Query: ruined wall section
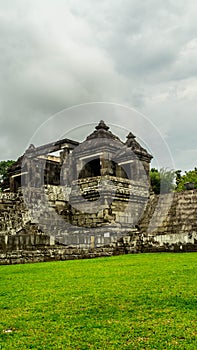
(13, 213)
(50, 218)
(118, 200)
(170, 222)
(17, 229)
(22, 240)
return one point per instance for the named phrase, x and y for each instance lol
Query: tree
(189, 176)
(162, 181)
(155, 180)
(178, 176)
(4, 166)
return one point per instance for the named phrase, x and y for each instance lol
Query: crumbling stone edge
(72, 253)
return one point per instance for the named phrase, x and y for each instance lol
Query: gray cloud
(58, 54)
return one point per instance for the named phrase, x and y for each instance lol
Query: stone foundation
(163, 228)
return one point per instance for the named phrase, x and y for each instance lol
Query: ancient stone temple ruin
(104, 181)
(69, 200)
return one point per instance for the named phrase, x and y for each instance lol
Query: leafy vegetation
(144, 301)
(189, 176)
(4, 166)
(165, 181)
(162, 181)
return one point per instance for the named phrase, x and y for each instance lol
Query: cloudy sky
(140, 54)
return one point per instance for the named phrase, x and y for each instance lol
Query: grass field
(144, 301)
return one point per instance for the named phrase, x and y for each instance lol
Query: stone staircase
(170, 221)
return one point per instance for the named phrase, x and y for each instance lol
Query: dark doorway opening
(91, 169)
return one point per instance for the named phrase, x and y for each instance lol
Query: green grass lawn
(144, 301)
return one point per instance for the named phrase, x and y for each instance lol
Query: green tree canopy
(162, 181)
(189, 176)
(4, 166)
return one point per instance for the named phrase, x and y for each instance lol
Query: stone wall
(125, 245)
(14, 216)
(169, 223)
(48, 219)
(102, 199)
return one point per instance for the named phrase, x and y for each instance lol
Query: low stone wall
(125, 245)
(51, 254)
(27, 241)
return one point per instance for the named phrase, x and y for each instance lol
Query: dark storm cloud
(55, 54)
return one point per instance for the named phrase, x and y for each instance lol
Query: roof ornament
(30, 148)
(130, 138)
(102, 126)
(102, 131)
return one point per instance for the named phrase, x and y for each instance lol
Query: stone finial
(31, 146)
(30, 149)
(102, 131)
(102, 126)
(130, 140)
(131, 136)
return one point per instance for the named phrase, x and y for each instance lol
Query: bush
(4, 166)
(162, 181)
(189, 176)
